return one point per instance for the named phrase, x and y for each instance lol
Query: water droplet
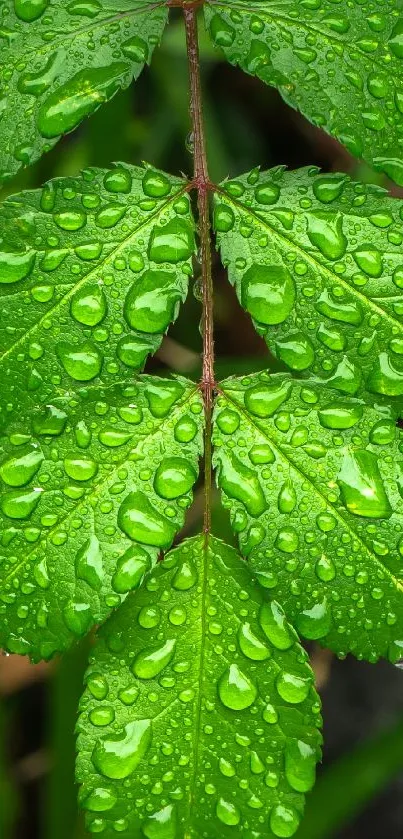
(49, 421)
(292, 688)
(156, 184)
(15, 266)
(20, 505)
(118, 180)
(118, 757)
(340, 415)
(235, 689)
(172, 243)
(141, 522)
(19, 470)
(130, 569)
(99, 800)
(325, 231)
(88, 563)
(227, 812)
(287, 498)
(161, 825)
(151, 303)
(88, 305)
(185, 430)
(185, 576)
(162, 396)
(80, 96)
(362, 489)
(300, 762)
(344, 311)
(80, 468)
(274, 624)
(383, 432)
(263, 400)
(150, 662)
(251, 645)
(284, 821)
(222, 32)
(174, 477)
(30, 10)
(396, 39)
(268, 293)
(267, 193)
(315, 623)
(369, 260)
(328, 188)
(240, 482)
(133, 351)
(81, 362)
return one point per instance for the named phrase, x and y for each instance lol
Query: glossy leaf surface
(60, 61)
(199, 715)
(93, 487)
(92, 272)
(314, 484)
(317, 261)
(340, 65)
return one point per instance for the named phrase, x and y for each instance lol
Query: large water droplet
(174, 477)
(251, 645)
(29, 10)
(173, 242)
(227, 812)
(241, 483)
(362, 489)
(88, 305)
(268, 293)
(19, 470)
(150, 662)
(325, 231)
(274, 624)
(141, 522)
(117, 757)
(284, 821)
(161, 825)
(80, 96)
(315, 623)
(344, 311)
(235, 689)
(292, 688)
(162, 396)
(340, 415)
(151, 302)
(300, 762)
(15, 266)
(81, 362)
(263, 400)
(88, 563)
(130, 569)
(20, 505)
(156, 184)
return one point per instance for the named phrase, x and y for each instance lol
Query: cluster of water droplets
(316, 260)
(343, 70)
(186, 721)
(314, 483)
(61, 62)
(101, 267)
(91, 489)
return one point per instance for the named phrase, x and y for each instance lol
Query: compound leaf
(314, 484)
(341, 67)
(316, 260)
(60, 61)
(92, 271)
(93, 487)
(199, 692)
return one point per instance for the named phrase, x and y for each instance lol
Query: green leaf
(316, 260)
(199, 713)
(60, 61)
(93, 487)
(314, 483)
(341, 67)
(92, 271)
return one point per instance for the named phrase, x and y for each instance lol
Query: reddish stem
(202, 183)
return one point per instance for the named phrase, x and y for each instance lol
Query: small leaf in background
(342, 66)
(61, 61)
(199, 715)
(92, 271)
(93, 487)
(316, 260)
(314, 483)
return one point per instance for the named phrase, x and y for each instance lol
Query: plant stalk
(202, 184)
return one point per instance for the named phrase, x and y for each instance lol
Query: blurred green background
(359, 794)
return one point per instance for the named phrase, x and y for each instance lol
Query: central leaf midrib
(373, 557)
(99, 266)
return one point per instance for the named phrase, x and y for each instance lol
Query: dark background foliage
(360, 793)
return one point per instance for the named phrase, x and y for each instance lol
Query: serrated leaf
(341, 67)
(314, 483)
(92, 271)
(199, 702)
(316, 260)
(93, 487)
(60, 61)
